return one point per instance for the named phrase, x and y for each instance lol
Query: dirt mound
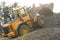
(42, 34)
(43, 9)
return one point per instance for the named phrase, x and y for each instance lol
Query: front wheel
(23, 30)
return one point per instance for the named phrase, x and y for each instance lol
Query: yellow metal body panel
(14, 23)
(26, 18)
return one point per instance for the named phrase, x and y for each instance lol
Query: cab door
(24, 15)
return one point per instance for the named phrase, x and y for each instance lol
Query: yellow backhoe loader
(22, 23)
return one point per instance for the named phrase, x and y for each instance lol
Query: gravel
(43, 34)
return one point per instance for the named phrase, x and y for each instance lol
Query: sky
(37, 2)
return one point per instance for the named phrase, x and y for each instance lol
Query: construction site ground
(50, 31)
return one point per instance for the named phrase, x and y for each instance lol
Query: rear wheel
(40, 21)
(23, 30)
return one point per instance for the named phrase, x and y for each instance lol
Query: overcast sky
(37, 2)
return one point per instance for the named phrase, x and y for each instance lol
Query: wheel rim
(41, 21)
(24, 31)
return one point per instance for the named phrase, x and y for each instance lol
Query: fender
(18, 25)
(21, 22)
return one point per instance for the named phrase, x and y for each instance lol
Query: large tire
(40, 21)
(23, 30)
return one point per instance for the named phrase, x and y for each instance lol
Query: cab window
(23, 12)
(15, 14)
(28, 9)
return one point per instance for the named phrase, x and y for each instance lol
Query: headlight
(37, 14)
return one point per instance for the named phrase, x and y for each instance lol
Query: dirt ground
(50, 31)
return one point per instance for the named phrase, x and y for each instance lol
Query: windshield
(23, 12)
